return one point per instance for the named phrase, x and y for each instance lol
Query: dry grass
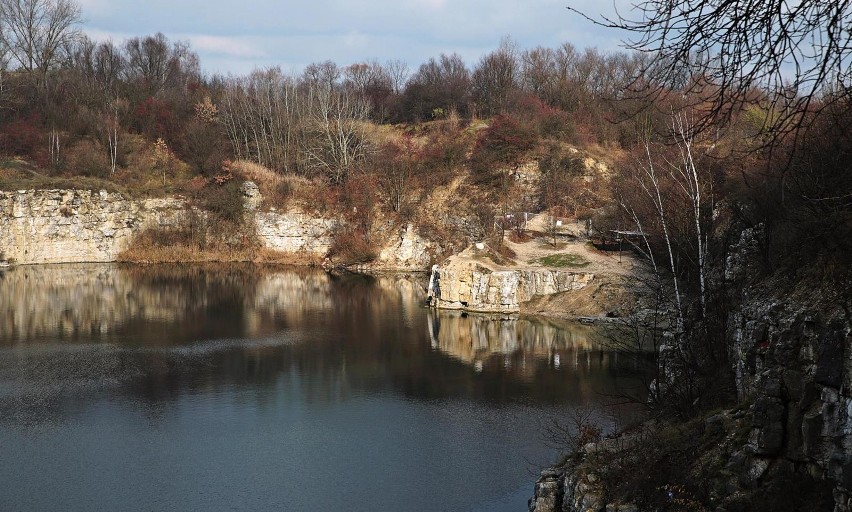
(382, 134)
(280, 190)
(265, 178)
(183, 247)
(16, 174)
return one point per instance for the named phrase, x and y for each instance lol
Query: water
(237, 388)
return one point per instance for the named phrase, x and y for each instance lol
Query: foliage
(225, 201)
(351, 247)
(503, 144)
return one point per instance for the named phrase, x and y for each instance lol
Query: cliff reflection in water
(229, 387)
(535, 351)
(100, 302)
(155, 333)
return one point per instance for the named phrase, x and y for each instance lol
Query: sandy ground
(541, 245)
(611, 292)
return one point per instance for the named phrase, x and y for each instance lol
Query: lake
(245, 388)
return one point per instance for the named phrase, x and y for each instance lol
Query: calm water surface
(230, 388)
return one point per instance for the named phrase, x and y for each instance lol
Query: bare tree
(261, 114)
(672, 200)
(395, 171)
(156, 64)
(539, 73)
(398, 72)
(792, 50)
(38, 33)
(438, 86)
(692, 183)
(99, 65)
(371, 81)
(321, 74)
(495, 78)
(334, 140)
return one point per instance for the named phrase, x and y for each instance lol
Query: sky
(238, 36)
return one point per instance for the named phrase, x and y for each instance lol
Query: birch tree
(673, 201)
(261, 115)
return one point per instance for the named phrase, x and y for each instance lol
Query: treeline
(78, 106)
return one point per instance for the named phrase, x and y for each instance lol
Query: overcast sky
(239, 36)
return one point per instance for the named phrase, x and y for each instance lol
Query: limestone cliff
(461, 283)
(75, 226)
(58, 226)
(405, 250)
(787, 445)
(294, 232)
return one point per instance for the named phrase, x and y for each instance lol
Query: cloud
(432, 4)
(235, 47)
(104, 35)
(263, 33)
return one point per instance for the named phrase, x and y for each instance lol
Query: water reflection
(153, 332)
(341, 373)
(538, 352)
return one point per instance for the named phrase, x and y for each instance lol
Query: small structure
(629, 236)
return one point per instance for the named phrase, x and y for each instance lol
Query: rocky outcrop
(792, 360)
(56, 226)
(572, 488)
(75, 226)
(790, 438)
(468, 285)
(295, 231)
(405, 250)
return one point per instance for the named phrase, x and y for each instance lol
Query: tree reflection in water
(272, 377)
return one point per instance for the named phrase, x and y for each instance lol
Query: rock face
(792, 360)
(76, 226)
(470, 286)
(571, 489)
(406, 250)
(295, 232)
(57, 226)
(791, 349)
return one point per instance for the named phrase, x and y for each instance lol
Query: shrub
(24, 137)
(502, 144)
(559, 172)
(547, 121)
(88, 159)
(225, 201)
(352, 246)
